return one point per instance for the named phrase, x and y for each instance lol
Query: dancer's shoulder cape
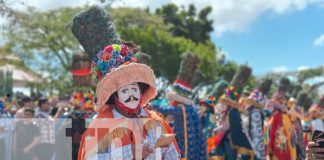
(240, 141)
(281, 142)
(102, 134)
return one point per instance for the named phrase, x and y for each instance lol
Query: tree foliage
(46, 36)
(149, 31)
(188, 23)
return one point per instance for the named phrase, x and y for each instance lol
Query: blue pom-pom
(115, 54)
(127, 58)
(112, 62)
(102, 66)
(130, 53)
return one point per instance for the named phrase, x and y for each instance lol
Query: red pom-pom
(133, 60)
(106, 56)
(99, 75)
(108, 49)
(124, 50)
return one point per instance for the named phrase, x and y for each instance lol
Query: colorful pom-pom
(99, 74)
(108, 49)
(116, 47)
(130, 53)
(115, 54)
(127, 58)
(112, 62)
(112, 56)
(124, 51)
(120, 60)
(106, 56)
(133, 60)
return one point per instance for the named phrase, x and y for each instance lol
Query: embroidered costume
(122, 128)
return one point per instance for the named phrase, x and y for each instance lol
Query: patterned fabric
(300, 146)
(196, 141)
(125, 151)
(281, 142)
(208, 124)
(256, 132)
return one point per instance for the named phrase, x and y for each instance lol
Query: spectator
(3, 131)
(47, 132)
(26, 137)
(26, 103)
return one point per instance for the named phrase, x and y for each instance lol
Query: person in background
(207, 117)
(26, 137)
(3, 131)
(26, 103)
(47, 132)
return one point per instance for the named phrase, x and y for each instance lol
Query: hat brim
(122, 76)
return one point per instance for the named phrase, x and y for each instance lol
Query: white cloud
(228, 15)
(233, 15)
(302, 68)
(319, 41)
(280, 69)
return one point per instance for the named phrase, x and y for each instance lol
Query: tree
(188, 23)
(45, 35)
(149, 31)
(44, 40)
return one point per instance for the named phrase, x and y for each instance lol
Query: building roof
(20, 76)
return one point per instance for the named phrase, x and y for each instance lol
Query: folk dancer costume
(281, 143)
(186, 125)
(235, 142)
(296, 115)
(186, 119)
(207, 117)
(254, 108)
(123, 89)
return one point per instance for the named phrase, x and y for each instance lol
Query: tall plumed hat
(257, 96)
(182, 86)
(113, 62)
(233, 92)
(278, 99)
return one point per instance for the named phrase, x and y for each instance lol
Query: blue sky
(269, 35)
(278, 42)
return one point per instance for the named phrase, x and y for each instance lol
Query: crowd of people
(29, 128)
(37, 128)
(125, 119)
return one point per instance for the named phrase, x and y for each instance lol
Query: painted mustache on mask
(129, 99)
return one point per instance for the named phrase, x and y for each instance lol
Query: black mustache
(129, 99)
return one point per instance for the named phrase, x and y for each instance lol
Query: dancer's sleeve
(167, 109)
